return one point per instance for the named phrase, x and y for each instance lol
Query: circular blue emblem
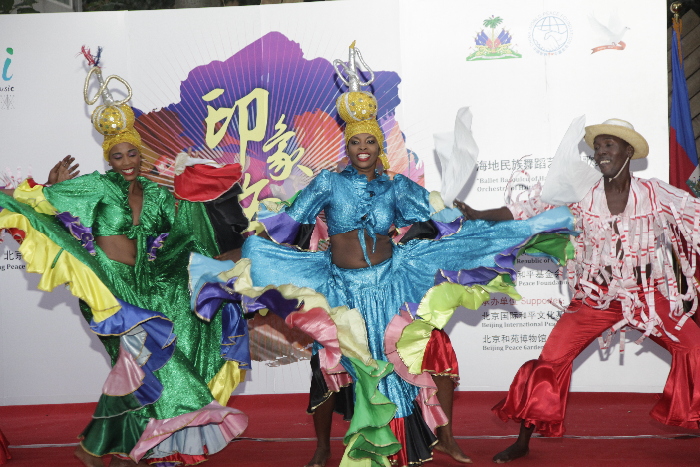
(550, 33)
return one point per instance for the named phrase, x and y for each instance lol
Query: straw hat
(623, 130)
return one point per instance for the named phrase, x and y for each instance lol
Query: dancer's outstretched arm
(498, 214)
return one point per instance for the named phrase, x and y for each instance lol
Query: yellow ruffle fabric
(226, 381)
(57, 266)
(34, 197)
(436, 309)
(352, 333)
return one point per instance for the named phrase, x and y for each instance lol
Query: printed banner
(256, 85)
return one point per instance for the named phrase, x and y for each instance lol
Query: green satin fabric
(369, 435)
(552, 245)
(160, 285)
(114, 435)
(101, 202)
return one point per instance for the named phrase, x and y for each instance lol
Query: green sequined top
(101, 201)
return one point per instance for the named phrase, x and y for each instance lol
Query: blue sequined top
(352, 202)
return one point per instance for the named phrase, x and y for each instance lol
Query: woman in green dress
(121, 243)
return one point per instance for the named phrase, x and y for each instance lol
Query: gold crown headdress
(113, 119)
(358, 108)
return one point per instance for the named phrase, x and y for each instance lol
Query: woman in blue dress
(372, 304)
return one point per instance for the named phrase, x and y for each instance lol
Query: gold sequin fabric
(358, 109)
(116, 123)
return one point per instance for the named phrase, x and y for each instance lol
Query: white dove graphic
(611, 33)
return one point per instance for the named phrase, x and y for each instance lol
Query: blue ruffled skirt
(487, 248)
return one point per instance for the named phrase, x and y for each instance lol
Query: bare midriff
(118, 248)
(346, 251)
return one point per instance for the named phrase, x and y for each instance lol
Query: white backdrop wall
(521, 106)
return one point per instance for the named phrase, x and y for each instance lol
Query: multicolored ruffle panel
(214, 289)
(190, 436)
(57, 266)
(341, 332)
(471, 288)
(427, 399)
(216, 282)
(146, 344)
(369, 436)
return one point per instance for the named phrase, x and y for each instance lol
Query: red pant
(540, 389)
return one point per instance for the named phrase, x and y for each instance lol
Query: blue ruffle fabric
(475, 253)
(209, 293)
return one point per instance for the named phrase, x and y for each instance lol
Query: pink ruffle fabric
(318, 324)
(433, 414)
(125, 377)
(231, 423)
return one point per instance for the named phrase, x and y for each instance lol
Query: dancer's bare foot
(320, 458)
(452, 449)
(512, 452)
(87, 459)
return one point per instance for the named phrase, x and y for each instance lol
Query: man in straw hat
(622, 275)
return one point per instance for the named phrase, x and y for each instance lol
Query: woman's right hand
(63, 170)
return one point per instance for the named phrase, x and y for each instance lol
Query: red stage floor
(602, 428)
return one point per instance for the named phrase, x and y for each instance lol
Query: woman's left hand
(468, 213)
(63, 171)
(233, 255)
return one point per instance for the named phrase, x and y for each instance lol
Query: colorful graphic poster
(273, 111)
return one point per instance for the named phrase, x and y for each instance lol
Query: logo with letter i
(6, 67)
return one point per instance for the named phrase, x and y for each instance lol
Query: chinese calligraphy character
(259, 97)
(280, 161)
(254, 190)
